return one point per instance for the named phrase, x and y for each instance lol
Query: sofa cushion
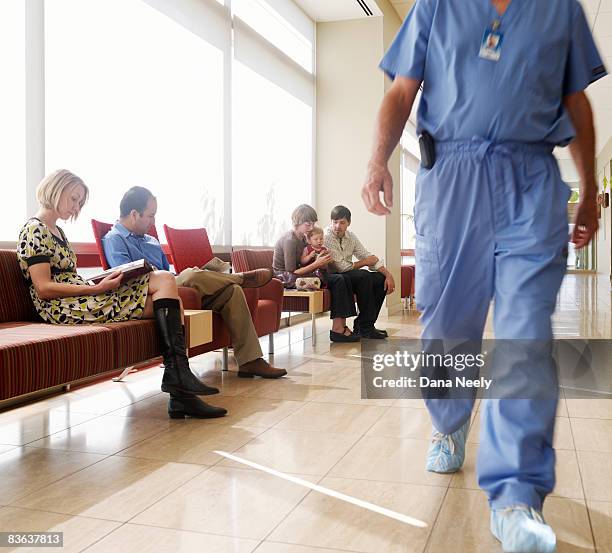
(35, 356)
(15, 302)
(134, 341)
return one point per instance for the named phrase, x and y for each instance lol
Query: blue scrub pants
(491, 223)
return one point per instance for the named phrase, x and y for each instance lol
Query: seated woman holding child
(61, 296)
(300, 253)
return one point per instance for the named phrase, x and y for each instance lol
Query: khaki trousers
(221, 293)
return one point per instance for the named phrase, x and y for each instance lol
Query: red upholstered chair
(189, 247)
(100, 229)
(408, 277)
(270, 304)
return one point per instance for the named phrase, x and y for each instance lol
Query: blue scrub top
(122, 246)
(547, 52)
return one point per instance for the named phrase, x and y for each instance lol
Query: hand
(586, 223)
(312, 255)
(323, 260)
(111, 282)
(389, 284)
(378, 179)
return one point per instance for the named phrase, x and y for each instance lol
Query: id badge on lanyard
(490, 46)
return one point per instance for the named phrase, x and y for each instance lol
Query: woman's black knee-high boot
(178, 379)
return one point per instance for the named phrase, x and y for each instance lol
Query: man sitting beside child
(370, 286)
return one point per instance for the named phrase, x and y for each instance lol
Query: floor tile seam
(158, 460)
(422, 484)
(66, 514)
(133, 403)
(235, 449)
(38, 510)
(589, 418)
(435, 521)
(384, 411)
(278, 398)
(290, 512)
(342, 433)
(38, 490)
(584, 493)
(29, 444)
(202, 470)
(328, 473)
(356, 437)
(109, 454)
(275, 425)
(319, 547)
(121, 525)
(199, 532)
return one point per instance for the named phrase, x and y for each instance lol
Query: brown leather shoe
(256, 278)
(260, 367)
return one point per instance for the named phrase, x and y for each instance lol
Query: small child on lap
(314, 250)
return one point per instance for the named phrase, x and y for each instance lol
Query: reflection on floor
(107, 467)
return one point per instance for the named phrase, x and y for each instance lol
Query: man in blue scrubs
(503, 84)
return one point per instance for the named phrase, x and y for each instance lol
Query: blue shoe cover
(447, 451)
(522, 529)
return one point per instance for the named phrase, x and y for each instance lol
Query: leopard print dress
(37, 244)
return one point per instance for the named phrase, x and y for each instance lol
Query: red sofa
(36, 356)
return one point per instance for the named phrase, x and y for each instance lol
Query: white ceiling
(336, 10)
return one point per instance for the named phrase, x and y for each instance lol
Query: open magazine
(130, 270)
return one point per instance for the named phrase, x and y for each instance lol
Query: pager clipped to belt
(428, 150)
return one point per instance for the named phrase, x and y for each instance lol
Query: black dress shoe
(373, 334)
(182, 407)
(383, 332)
(343, 338)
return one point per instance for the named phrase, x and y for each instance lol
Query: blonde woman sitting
(61, 296)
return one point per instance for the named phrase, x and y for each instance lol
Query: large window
(272, 112)
(282, 24)
(12, 117)
(209, 103)
(272, 152)
(125, 108)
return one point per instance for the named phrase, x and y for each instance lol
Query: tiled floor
(106, 466)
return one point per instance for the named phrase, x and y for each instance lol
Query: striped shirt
(343, 249)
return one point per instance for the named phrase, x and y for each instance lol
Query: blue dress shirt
(122, 246)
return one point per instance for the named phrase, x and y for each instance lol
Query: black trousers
(342, 299)
(369, 287)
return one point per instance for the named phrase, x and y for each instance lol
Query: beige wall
(604, 238)
(350, 88)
